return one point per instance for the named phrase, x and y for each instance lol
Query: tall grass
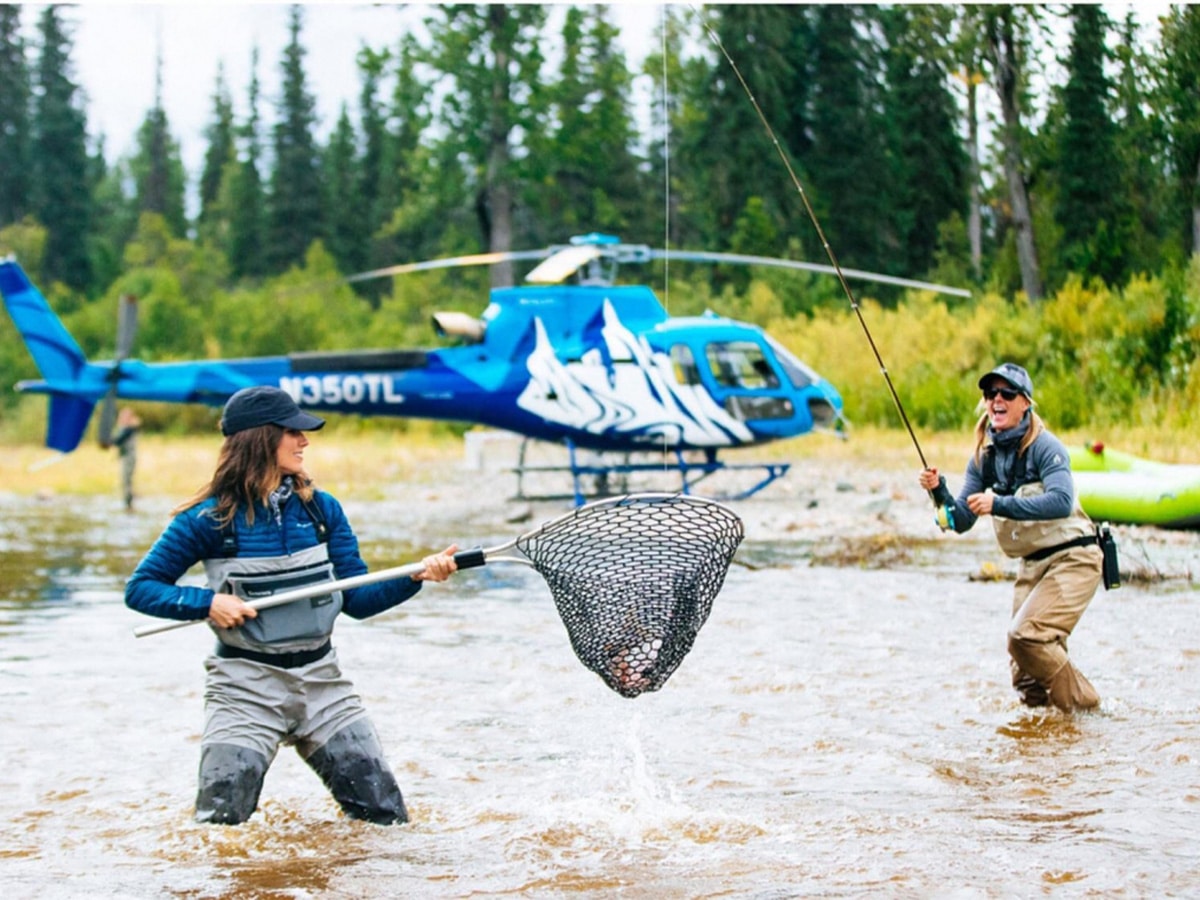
(1101, 360)
(363, 465)
(343, 459)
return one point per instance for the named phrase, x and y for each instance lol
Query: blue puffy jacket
(193, 536)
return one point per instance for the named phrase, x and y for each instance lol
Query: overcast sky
(116, 45)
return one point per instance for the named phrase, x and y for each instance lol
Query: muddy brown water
(837, 731)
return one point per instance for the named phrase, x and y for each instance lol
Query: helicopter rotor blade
(127, 314)
(450, 262)
(742, 259)
(562, 261)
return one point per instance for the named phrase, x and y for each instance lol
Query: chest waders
(1060, 571)
(276, 680)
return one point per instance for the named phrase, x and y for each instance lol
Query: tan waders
(1049, 597)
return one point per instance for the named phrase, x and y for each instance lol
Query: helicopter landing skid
(611, 479)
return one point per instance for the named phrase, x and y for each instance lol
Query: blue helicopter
(591, 365)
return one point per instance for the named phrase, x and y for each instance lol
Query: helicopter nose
(824, 414)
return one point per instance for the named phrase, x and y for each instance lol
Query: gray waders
(350, 764)
(251, 708)
(276, 680)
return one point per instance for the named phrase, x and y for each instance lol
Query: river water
(835, 732)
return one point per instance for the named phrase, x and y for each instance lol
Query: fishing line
(666, 118)
(820, 232)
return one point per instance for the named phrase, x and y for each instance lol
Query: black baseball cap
(265, 405)
(1014, 375)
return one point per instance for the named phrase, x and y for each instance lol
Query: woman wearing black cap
(1020, 475)
(260, 527)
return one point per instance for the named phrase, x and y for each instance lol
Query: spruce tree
(922, 120)
(1090, 190)
(1141, 152)
(157, 167)
(1180, 103)
(729, 153)
(15, 126)
(584, 171)
(348, 226)
(295, 217)
(680, 81)
(61, 189)
(853, 180)
(243, 196)
(220, 153)
(375, 185)
(491, 59)
(420, 204)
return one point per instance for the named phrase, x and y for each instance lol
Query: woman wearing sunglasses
(1020, 475)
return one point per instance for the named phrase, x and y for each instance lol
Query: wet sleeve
(369, 599)
(152, 589)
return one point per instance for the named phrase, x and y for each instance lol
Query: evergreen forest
(1056, 179)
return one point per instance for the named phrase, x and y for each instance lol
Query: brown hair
(247, 471)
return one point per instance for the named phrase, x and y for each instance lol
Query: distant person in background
(1020, 475)
(125, 440)
(261, 528)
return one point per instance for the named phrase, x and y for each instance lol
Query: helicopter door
(749, 382)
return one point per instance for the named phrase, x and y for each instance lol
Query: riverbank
(847, 503)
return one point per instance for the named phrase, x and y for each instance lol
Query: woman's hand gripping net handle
(466, 559)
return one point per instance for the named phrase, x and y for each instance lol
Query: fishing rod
(940, 495)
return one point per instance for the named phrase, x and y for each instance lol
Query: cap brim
(983, 382)
(302, 421)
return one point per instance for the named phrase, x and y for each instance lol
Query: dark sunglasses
(1007, 393)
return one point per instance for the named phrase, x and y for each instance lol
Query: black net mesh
(634, 579)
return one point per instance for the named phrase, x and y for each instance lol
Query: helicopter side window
(684, 364)
(740, 364)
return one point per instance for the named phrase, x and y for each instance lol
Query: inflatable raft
(1120, 487)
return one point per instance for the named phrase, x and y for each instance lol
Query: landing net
(634, 579)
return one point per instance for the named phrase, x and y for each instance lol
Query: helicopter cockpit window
(800, 375)
(741, 364)
(684, 364)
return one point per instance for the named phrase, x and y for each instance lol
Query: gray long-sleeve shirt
(1046, 461)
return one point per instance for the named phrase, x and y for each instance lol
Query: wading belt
(282, 660)
(1045, 552)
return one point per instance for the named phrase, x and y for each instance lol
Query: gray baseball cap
(1014, 375)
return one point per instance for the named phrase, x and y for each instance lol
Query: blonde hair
(247, 471)
(1036, 427)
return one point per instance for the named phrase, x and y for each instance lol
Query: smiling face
(290, 454)
(1005, 404)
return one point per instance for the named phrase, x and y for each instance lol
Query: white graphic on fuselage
(636, 394)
